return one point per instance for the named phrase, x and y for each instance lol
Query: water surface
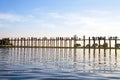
(59, 64)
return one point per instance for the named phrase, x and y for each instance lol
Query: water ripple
(58, 64)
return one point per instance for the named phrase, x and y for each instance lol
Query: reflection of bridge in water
(64, 59)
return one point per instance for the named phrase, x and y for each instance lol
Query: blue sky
(23, 18)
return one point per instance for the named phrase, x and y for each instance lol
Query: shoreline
(57, 47)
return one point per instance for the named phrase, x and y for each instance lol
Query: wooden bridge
(61, 42)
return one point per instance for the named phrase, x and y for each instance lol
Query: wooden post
(58, 41)
(115, 42)
(18, 41)
(115, 46)
(89, 43)
(14, 41)
(93, 42)
(75, 37)
(43, 42)
(2, 42)
(31, 41)
(99, 45)
(39, 42)
(99, 38)
(11, 41)
(50, 41)
(61, 42)
(110, 43)
(35, 40)
(54, 42)
(104, 42)
(70, 42)
(65, 42)
(83, 41)
(24, 42)
(21, 42)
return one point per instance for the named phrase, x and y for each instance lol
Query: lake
(59, 64)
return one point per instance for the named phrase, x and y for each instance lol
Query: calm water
(59, 64)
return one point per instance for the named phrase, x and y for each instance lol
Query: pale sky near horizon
(23, 18)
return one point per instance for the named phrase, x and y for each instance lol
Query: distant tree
(95, 45)
(100, 46)
(77, 45)
(105, 45)
(88, 45)
(5, 41)
(117, 45)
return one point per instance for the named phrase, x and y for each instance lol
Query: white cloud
(74, 19)
(47, 25)
(56, 15)
(11, 17)
(105, 24)
(3, 25)
(72, 23)
(99, 12)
